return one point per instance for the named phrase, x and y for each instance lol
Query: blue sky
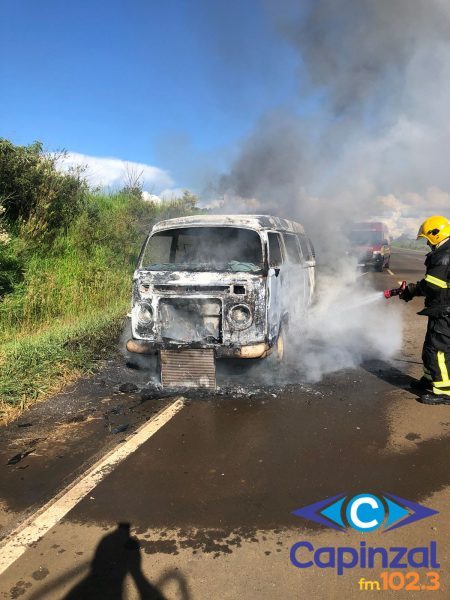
(173, 84)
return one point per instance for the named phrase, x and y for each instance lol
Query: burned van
(214, 286)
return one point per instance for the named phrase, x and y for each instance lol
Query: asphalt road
(408, 264)
(209, 495)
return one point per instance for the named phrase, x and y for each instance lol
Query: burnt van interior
(204, 249)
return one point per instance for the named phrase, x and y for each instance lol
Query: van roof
(257, 222)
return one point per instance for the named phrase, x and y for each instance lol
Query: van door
(296, 280)
(310, 264)
(274, 284)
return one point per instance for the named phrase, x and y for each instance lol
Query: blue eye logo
(365, 512)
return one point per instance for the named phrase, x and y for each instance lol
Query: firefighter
(435, 286)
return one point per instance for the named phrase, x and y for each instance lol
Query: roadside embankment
(36, 365)
(67, 254)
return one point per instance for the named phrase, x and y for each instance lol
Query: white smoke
(349, 323)
(375, 147)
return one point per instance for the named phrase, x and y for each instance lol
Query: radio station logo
(365, 512)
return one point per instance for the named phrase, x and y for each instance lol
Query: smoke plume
(375, 140)
(372, 145)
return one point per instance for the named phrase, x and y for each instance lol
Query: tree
(35, 194)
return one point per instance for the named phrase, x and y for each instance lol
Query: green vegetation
(409, 243)
(40, 363)
(66, 258)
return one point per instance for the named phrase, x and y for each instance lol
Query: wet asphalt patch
(246, 463)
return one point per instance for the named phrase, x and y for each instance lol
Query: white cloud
(114, 172)
(404, 214)
(170, 193)
(165, 195)
(151, 197)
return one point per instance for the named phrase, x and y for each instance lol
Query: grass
(410, 244)
(67, 309)
(54, 295)
(42, 363)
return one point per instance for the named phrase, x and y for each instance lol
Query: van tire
(280, 347)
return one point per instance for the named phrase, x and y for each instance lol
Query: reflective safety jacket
(435, 286)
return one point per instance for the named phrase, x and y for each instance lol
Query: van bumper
(258, 350)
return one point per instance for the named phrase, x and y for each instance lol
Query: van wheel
(279, 349)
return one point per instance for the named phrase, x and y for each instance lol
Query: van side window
(274, 250)
(292, 248)
(306, 247)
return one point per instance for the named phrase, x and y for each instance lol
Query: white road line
(36, 526)
(390, 272)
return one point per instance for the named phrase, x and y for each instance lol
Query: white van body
(231, 283)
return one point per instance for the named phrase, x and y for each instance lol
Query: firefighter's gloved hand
(409, 292)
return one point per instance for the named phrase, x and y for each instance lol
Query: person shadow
(117, 555)
(389, 373)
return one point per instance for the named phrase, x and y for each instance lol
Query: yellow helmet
(435, 229)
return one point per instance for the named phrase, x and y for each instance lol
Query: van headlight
(144, 314)
(145, 289)
(240, 316)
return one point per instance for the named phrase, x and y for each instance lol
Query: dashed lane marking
(391, 273)
(37, 525)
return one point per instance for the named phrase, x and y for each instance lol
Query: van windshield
(204, 249)
(365, 237)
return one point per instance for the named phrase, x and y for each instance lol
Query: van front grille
(190, 320)
(188, 368)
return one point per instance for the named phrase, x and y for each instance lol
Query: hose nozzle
(395, 291)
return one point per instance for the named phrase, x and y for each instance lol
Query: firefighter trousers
(436, 354)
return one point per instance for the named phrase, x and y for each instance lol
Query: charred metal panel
(188, 368)
(254, 298)
(191, 320)
(256, 222)
(156, 287)
(189, 289)
(222, 310)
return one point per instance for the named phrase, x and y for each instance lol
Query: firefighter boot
(422, 384)
(434, 399)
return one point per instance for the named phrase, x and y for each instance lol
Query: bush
(10, 265)
(67, 255)
(11, 269)
(85, 270)
(36, 196)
